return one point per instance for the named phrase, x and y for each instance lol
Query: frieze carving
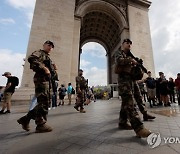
(121, 5)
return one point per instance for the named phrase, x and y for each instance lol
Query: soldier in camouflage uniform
(81, 86)
(129, 91)
(41, 64)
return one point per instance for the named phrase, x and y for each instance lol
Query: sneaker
(43, 128)
(24, 122)
(125, 126)
(49, 108)
(7, 112)
(143, 133)
(76, 107)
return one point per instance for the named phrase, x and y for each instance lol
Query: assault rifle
(53, 77)
(139, 61)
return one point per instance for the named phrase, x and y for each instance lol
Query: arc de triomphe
(72, 23)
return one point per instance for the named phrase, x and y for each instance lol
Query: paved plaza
(94, 132)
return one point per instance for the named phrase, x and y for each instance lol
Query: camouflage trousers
(129, 92)
(138, 98)
(40, 111)
(80, 99)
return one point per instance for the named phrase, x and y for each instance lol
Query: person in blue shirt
(69, 92)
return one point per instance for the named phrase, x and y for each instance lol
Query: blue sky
(15, 23)
(13, 27)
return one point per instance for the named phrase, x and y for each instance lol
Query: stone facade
(70, 24)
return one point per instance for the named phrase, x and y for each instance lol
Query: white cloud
(7, 21)
(10, 62)
(95, 76)
(94, 49)
(84, 63)
(164, 22)
(24, 4)
(27, 6)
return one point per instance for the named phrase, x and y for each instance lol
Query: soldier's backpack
(15, 81)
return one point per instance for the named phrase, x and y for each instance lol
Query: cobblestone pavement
(94, 132)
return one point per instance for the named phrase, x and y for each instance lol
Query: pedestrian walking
(12, 82)
(128, 90)
(41, 64)
(81, 86)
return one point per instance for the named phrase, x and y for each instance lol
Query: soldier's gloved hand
(46, 70)
(55, 67)
(134, 62)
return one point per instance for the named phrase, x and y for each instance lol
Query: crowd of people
(160, 91)
(58, 99)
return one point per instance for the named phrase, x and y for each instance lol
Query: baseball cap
(160, 73)
(127, 40)
(80, 70)
(50, 43)
(149, 72)
(6, 73)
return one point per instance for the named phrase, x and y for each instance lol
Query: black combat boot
(125, 126)
(147, 117)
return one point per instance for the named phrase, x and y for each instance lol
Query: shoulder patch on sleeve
(36, 53)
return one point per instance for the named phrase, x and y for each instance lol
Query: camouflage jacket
(122, 63)
(81, 82)
(39, 59)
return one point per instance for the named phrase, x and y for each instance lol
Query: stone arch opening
(117, 10)
(93, 61)
(102, 22)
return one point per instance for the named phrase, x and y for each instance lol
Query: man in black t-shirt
(8, 92)
(151, 89)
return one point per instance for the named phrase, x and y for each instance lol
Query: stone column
(53, 20)
(75, 51)
(139, 30)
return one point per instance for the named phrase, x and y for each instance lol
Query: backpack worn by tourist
(73, 91)
(15, 80)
